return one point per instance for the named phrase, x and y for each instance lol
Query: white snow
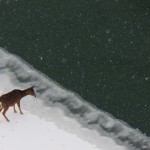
(45, 128)
(30, 132)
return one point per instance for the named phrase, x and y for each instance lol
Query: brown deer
(12, 98)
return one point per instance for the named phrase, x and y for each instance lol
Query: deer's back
(11, 98)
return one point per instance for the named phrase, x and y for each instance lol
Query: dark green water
(97, 48)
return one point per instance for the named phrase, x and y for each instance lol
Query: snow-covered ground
(30, 131)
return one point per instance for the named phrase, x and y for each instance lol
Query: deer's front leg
(19, 108)
(14, 109)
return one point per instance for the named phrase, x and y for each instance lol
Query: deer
(14, 97)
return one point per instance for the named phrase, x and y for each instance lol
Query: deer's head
(30, 91)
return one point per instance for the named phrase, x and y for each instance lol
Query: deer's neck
(24, 93)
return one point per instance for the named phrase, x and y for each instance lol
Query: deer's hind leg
(5, 108)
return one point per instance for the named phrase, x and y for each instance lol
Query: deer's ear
(32, 87)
